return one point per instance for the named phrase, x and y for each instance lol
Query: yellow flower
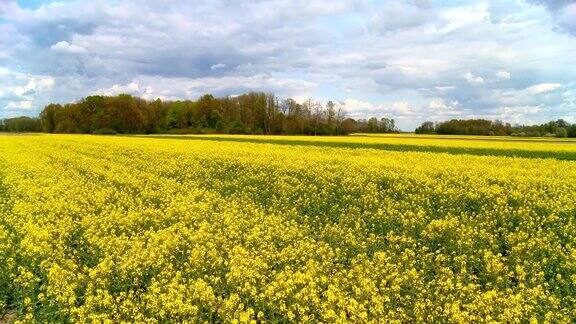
(275, 229)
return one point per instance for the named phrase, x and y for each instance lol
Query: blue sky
(32, 4)
(413, 60)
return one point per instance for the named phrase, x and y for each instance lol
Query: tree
(204, 109)
(254, 112)
(215, 120)
(571, 131)
(426, 128)
(331, 121)
(348, 125)
(154, 115)
(88, 108)
(48, 118)
(177, 116)
(473, 127)
(340, 114)
(562, 123)
(372, 125)
(386, 125)
(21, 125)
(561, 132)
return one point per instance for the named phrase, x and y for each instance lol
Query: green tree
(561, 132)
(372, 125)
(177, 116)
(48, 117)
(426, 128)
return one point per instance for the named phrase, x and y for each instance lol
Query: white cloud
(35, 84)
(130, 88)
(22, 93)
(503, 75)
(472, 79)
(218, 66)
(353, 105)
(484, 55)
(20, 105)
(362, 109)
(445, 88)
(396, 15)
(543, 87)
(438, 105)
(189, 88)
(461, 17)
(4, 72)
(67, 48)
(402, 107)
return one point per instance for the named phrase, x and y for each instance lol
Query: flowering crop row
(181, 230)
(561, 149)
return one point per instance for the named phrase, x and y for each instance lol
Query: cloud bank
(411, 60)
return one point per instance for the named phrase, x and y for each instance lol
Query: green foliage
(177, 116)
(181, 131)
(473, 127)
(251, 113)
(373, 125)
(558, 128)
(426, 128)
(48, 118)
(561, 132)
(20, 125)
(104, 131)
(571, 130)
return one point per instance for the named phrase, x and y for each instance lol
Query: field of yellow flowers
(223, 228)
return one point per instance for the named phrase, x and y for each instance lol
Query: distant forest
(251, 113)
(558, 128)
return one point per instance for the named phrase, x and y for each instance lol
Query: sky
(411, 60)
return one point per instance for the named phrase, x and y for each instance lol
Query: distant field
(564, 149)
(362, 228)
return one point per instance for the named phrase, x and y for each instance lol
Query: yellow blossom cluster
(257, 229)
(560, 148)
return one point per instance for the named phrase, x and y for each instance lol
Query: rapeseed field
(286, 229)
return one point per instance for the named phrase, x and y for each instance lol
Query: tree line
(465, 127)
(558, 128)
(251, 113)
(20, 124)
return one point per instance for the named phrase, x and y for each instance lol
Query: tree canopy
(20, 124)
(558, 128)
(251, 113)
